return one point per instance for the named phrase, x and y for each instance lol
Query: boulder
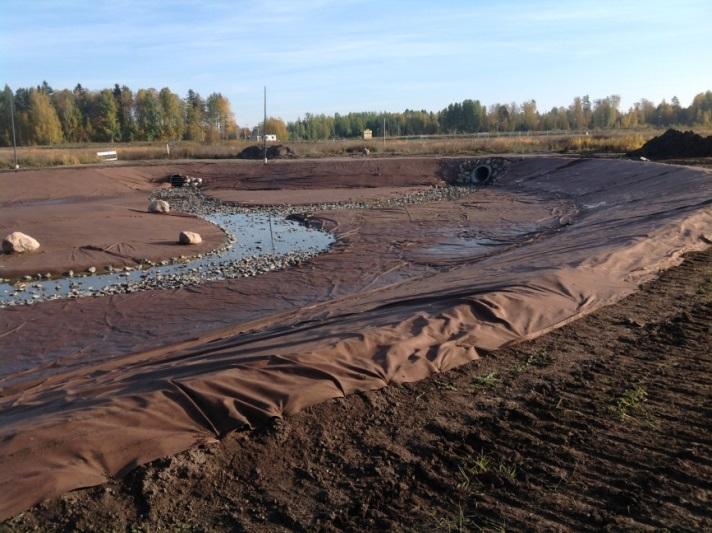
(189, 237)
(17, 243)
(159, 206)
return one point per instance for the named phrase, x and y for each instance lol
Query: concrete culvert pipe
(482, 173)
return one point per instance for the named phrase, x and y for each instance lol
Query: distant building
(367, 134)
(270, 137)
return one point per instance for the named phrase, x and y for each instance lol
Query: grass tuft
(630, 402)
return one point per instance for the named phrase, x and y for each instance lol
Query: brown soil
(674, 144)
(84, 398)
(98, 214)
(273, 152)
(76, 234)
(602, 424)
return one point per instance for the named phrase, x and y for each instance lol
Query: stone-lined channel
(258, 242)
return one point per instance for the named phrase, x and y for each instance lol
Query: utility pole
(12, 121)
(264, 128)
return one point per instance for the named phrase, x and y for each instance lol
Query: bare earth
(603, 423)
(600, 424)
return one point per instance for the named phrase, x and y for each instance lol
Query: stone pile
(180, 180)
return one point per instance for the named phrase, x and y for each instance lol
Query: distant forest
(471, 116)
(46, 116)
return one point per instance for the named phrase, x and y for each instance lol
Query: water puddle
(259, 243)
(460, 248)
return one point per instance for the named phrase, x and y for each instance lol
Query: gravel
(185, 271)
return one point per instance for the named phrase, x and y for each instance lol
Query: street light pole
(264, 127)
(12, 121)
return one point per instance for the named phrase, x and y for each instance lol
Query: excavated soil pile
(406, 292)
(674, 144)
(277, 151)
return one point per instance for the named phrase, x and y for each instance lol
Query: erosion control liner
(397, 300)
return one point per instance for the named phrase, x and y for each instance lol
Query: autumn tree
(70, 116)
(172, 115)
(44, 126)
(529, 116)
(275, 126)
(219, 117)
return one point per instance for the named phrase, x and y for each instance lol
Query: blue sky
(343, 55)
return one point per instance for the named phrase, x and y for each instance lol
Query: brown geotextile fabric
(90, 388)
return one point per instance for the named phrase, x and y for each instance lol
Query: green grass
(486, 381)
(482, 464)
(630, 403)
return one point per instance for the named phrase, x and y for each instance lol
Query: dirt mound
(278, 151)
(675, 143)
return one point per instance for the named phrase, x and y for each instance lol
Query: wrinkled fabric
(405, 293)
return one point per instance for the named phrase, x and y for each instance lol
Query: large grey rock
(159, 206)
(18, 243)
(189, 237)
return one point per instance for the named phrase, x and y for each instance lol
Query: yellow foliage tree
(45, 125)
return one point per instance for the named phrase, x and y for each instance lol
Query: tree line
(45, 116)
(471, 116)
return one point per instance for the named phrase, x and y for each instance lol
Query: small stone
(91, 270)
(159, 206)
(189, 237)
(18, 243)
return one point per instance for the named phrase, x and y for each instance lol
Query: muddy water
(255, 238)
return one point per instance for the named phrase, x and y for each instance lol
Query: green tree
(104, 118)
(194, 117)
(6, 106)
(123, 96)
(148, 115)
(69, 114)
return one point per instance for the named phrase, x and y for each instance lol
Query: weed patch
(486, 381)
(630, 403)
